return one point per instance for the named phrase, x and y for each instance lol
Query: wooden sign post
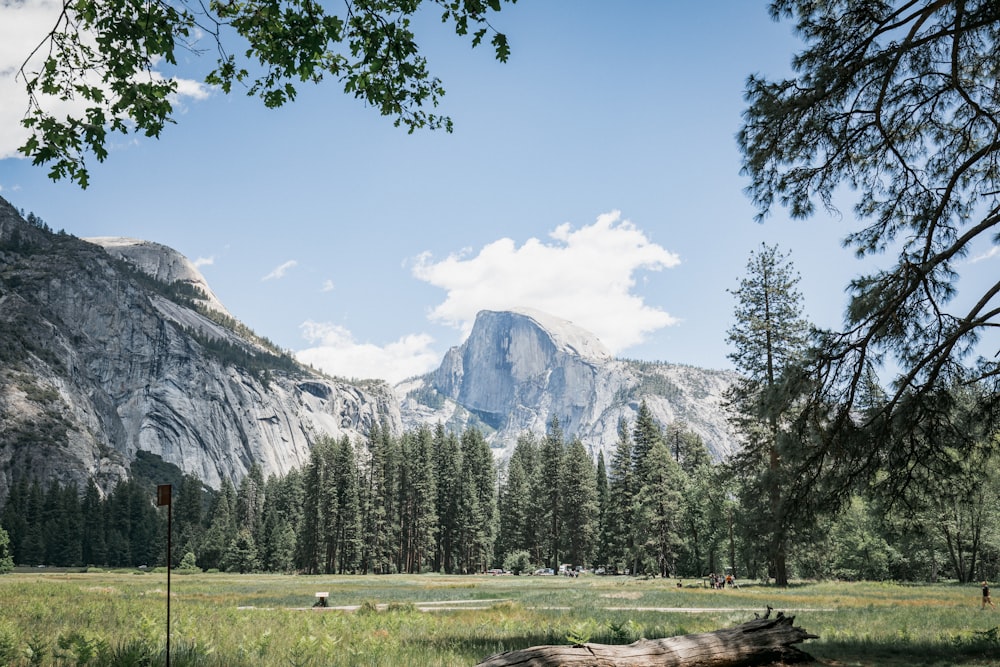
(163, 498)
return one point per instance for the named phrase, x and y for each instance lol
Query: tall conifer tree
(346, 521)
(578, 504)
(94, 549)
(551, 470)
(478, 489)
(311, 531)
(621, 499)
(379, 502)
(448, 464)
(603, 539)
(659, 512)
(417, 496)
(221, 529)
(768, 338)
(518, 506)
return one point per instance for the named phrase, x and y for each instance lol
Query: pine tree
(149, 527)
(579, 504)
(447, 473)
(417, 493)
(603, 548)
(647, 436)
(528, 451)
(282, 516)
(94, 550)
(187, 518)
(221, 528)
(312, 536)
(241, 553)
(51, 520)
(551, 460)
(478, 518)
(15, 517)
(117, 519)
(658, 500)
(621, 498)
(250, 501)
(699, 532)
(514, 508)
(897, 102)
(658, 514)
(272, 528)
(646, 433)
(686, 447)
(379, 502)
(768, 339)
(69, 526)
(347, 517)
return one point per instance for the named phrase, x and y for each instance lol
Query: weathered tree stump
(758, 642)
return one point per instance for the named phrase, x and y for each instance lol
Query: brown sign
(163, 495)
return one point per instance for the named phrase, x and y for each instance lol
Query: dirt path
(459, 605)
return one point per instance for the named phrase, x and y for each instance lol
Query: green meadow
(104, 618)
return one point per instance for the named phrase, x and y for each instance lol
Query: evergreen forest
(434, 501)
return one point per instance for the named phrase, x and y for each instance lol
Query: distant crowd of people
(722, 581)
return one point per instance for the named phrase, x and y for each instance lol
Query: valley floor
(55, 618)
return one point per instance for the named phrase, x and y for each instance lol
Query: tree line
(432, 500)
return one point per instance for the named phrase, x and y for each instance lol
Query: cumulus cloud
(327, 286)
(280, 271)
(23, 25)
(190, 89)
(204, 261)
(334, 351)
(584, 275)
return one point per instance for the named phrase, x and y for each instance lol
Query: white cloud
(280, 272)
(989, 254)
(327, 286)
(585, 276)
(334, 350)
(187, 89)
(23, 25)
(204, 261)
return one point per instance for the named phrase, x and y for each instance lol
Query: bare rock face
(163, 264)
(106, 353)
(519, 369)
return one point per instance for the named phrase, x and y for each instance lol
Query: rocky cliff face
(163, 264)
(109, 349)
(517, 370)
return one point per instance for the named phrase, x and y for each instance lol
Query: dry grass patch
(630, 595)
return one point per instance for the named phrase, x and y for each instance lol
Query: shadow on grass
(900, 653)
(477, 649)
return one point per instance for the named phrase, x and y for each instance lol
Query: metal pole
(169, 534)
(163, 498)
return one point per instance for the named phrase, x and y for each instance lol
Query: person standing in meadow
(987, 600)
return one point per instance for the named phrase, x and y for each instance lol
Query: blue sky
(594, 176)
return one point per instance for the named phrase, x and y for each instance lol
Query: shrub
(517, 562)
(188, 563)
(6, 559)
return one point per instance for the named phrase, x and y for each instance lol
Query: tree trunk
(760, 641)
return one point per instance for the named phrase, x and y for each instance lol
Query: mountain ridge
(512, 375)
(101, 361)
(112, 347)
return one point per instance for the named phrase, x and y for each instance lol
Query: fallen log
(761, 641)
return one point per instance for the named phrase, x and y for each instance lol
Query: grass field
(62, 618)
